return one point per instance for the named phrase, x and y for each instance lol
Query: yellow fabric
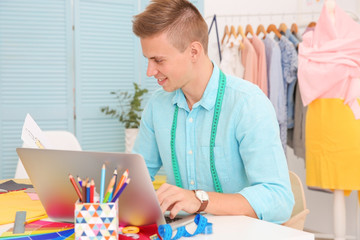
(159, 180)
(332, 146)
(15, 201)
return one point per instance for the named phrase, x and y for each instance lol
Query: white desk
(239, 227)
(246, 228)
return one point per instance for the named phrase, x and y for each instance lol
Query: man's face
(166, 63)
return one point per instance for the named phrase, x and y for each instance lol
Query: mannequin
(339, 198)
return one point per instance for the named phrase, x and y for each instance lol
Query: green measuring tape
(175, 164)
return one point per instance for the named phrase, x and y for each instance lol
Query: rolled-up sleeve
(269, 191)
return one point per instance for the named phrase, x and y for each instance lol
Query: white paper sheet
(32, 135)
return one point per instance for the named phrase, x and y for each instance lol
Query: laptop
(49, 172)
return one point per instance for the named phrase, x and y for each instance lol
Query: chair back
(60, 139)
(298, 215)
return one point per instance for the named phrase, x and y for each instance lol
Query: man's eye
(158, 60)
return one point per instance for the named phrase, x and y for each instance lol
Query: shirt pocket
(222, 168)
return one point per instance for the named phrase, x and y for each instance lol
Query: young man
(212, 133)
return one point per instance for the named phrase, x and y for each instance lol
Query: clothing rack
(295, 15)
(339, 209)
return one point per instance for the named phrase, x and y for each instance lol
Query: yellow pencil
(35, 219)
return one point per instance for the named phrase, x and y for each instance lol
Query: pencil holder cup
(96, 221)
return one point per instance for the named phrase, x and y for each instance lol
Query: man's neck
(194, 91)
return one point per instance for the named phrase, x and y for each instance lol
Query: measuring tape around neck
(217, 110)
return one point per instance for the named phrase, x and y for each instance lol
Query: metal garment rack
(296, 15)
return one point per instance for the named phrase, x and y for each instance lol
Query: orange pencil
(72, 180)
(121, 182)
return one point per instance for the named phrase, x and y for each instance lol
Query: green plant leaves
(129, 109)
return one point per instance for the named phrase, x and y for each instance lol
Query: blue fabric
(276, 86)
(289, 61)
(292, 38)
(248, 155)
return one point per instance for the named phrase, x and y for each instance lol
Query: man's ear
(195, 51)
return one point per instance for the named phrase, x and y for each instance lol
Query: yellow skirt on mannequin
(332, 146)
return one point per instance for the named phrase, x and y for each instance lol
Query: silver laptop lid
(49, 172)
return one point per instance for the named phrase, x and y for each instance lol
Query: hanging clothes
(329, 75)
(250, 61)
(231, 63)
(276, 91)
(289, 63)
(298, 138)
(259, 48)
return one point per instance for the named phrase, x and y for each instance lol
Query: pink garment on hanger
(329, 60)
(250, 61)
(259, 48)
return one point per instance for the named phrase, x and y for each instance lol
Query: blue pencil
(113, 192)
(79, 181)
(88, 192)
(120, 191)
(102, 183)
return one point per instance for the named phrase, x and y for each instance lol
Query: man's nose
(151, 69)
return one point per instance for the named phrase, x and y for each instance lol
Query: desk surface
(246, 228)
(239, 227)
(236, 227)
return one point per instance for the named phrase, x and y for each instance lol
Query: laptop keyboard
(169, 220)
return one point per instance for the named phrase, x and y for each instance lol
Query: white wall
(320, 204)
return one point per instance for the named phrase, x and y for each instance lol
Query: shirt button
(191, 120)
(190, 152)
(192, 182)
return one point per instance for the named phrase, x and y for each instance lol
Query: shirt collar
(208, 99)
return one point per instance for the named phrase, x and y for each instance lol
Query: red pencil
(92, 188)
(72, 180)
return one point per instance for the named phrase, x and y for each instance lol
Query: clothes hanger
(240, 32)
(294, 28)
(311, 24)
(272, 28)
(232, 32)
(226, 33)
(282, 28)
(261, 29)
(249, 29)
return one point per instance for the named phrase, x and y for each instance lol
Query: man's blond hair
(179, 19)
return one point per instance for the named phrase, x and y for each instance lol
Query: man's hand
(175, 199)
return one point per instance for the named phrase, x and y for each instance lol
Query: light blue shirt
(276, 87)
(249, 158)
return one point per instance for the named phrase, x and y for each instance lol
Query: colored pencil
(88, 192)
(121, 182)
(102, 183)
(84, 183)
(72, 180)
(79, 181)
(92, 189)
(109, 189)
(114, 188)
(121, 190)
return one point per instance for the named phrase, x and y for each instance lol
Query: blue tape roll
(165, 230)
(208, 228)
